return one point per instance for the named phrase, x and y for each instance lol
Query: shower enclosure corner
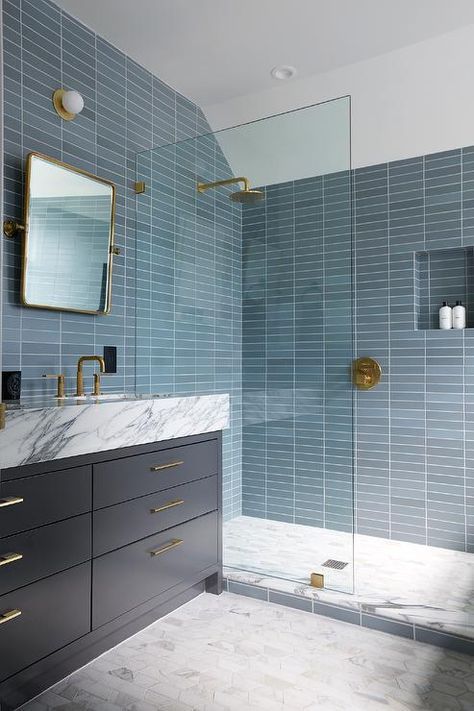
(244, 285)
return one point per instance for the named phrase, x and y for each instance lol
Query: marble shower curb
(408, 630)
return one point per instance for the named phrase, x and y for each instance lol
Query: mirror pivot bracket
(12, 228)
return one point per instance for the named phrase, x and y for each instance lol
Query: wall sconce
(68, 103)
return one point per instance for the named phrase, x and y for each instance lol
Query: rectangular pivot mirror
(68, 240)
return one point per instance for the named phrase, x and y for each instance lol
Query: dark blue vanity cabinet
(95, 548)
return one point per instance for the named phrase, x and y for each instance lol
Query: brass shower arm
(228, 181)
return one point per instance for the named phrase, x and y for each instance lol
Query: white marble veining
(418, 584)
(231, 653)
(40, 434)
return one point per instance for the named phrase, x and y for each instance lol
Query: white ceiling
(215, 50)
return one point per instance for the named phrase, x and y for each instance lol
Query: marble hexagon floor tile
(231, 653)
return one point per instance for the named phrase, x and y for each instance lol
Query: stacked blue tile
(189, 284)
(176, 310)
(406, 355)
(309, 352)
(254, 249)
(372, 338)
(280, 328)
(44, 48)
(413, 437)
(468, 239)
(297, 342)
(338, 349)
(445, 450)
(414, 433)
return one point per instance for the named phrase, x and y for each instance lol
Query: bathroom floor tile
(230, 653)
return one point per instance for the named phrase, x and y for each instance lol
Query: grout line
(323, 349)
(463, 337)
(293, 209)
(389, 358)
(425, 382)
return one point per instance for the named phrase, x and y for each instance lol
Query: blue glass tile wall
(185, 329)
(189, 264)
(297, 459)
(414, 434)
(127, 110)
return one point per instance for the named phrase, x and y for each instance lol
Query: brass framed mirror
(68, 238)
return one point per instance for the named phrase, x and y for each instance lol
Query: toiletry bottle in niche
(459, 315)
(445, 316)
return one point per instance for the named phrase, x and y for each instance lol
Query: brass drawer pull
(10, 501)
(10, 615)
(7, 558)
(174, 544)
(169, 505)
(168, 465)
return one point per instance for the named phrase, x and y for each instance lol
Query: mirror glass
(67, 260)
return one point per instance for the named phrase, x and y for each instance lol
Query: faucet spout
(80, 373)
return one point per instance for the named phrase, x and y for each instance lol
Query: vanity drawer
(134, 574)
(44, 551)
(45, 498)
(121, 524)
(54, 612)
(131, 477)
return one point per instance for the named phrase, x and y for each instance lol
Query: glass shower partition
(246, 287)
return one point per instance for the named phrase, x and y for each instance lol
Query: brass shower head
(247, 196)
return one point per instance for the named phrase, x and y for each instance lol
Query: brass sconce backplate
(366, 373)
(57, 100)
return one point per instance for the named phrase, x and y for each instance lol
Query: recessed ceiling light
(283, 72)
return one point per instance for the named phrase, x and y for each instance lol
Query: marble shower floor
(231, 653)
(429, 586)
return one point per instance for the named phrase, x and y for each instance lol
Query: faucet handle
(60, 393)
(96, 391)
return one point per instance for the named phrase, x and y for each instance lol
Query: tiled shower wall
(297, 344)
(189, 277)
(127, 111)
(414, 434)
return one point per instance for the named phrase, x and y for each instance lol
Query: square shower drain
(336, 564)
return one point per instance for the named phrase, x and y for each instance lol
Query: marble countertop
(56, 429)
(72, 401)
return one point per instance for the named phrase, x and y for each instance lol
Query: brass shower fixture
(245, 196)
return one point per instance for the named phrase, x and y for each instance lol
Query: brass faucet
(80, 375)
(60, 392)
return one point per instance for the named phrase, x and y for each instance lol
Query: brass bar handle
(10, 501)
(168, 465)
(169, 546)
(10, 615)
(8, 558)
(169, 505)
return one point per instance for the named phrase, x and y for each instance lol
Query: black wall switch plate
(110, 358)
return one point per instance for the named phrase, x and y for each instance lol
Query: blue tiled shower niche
(443, 275)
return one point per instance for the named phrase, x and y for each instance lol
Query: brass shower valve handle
(366, 373)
